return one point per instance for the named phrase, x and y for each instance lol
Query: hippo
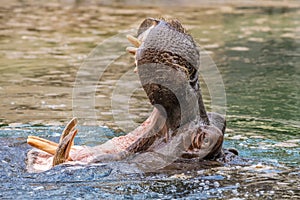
(167, 61)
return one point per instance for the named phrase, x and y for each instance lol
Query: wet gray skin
(167, 63)
(179, 127)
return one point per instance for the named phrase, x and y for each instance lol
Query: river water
(67, 58)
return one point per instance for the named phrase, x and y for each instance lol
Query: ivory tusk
(69, 127)
(49, 146)
(131, 50)
(42, 144)
(63, 149)
(136, 42)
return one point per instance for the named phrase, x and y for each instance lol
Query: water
(256, 50)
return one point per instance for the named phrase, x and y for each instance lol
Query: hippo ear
(176, 25)
(146, 24)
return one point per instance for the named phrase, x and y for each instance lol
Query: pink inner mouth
(41, 161)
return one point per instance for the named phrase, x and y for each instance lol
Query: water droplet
(202, 184)
(216, 184)
(38, 188)
(235, 192)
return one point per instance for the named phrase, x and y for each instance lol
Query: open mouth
(167, 61)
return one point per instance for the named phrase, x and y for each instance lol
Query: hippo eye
(205, 140)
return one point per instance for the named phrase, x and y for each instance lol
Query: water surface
(255, 49)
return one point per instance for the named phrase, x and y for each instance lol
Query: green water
(257, 53)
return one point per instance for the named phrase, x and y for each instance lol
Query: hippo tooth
(136, 42)
(135, 69)
(131, 50)
(65, 143)
(42, 144)
(63, 150)
(70, 126)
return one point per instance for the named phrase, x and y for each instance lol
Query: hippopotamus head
(167, 62)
